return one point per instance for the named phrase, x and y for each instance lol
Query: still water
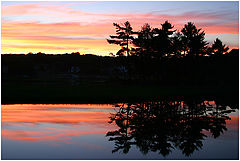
(152, 130)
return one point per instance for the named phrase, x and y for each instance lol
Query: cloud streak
(34, 23)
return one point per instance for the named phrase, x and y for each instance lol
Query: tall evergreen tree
(219, 48)
(162, 41)
(155, 41)
(123, 37)
(143, 42)
(177, 46)
(194, 39)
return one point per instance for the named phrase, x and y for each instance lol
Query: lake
(149, 130)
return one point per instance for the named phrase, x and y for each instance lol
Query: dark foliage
(219, 48)
(165, 41)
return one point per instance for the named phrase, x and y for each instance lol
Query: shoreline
(102, 94)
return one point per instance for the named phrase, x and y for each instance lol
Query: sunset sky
(60, 27)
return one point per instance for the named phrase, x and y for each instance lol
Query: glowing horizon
(81, 26)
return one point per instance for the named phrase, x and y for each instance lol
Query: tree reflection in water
(165, 125)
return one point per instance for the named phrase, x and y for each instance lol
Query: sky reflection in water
(79, 132)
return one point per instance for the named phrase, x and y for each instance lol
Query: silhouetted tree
(162, 40)
(194, 39)
(177, 46)
(144, 41)
(75, 53)
(40, 53)
(154, 41)
(122, 38)
(219, 48)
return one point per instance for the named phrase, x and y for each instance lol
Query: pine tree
(123, 37)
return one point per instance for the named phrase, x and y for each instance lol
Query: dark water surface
(150, 130)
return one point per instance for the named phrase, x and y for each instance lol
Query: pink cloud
(66, 15)
(52, 23)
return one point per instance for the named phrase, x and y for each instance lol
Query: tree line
(175, 58)
(164, 41)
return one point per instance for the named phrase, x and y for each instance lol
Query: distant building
(121, 69)
(74, 69)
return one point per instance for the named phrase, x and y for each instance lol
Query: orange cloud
(56, 28)
(49, 38)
